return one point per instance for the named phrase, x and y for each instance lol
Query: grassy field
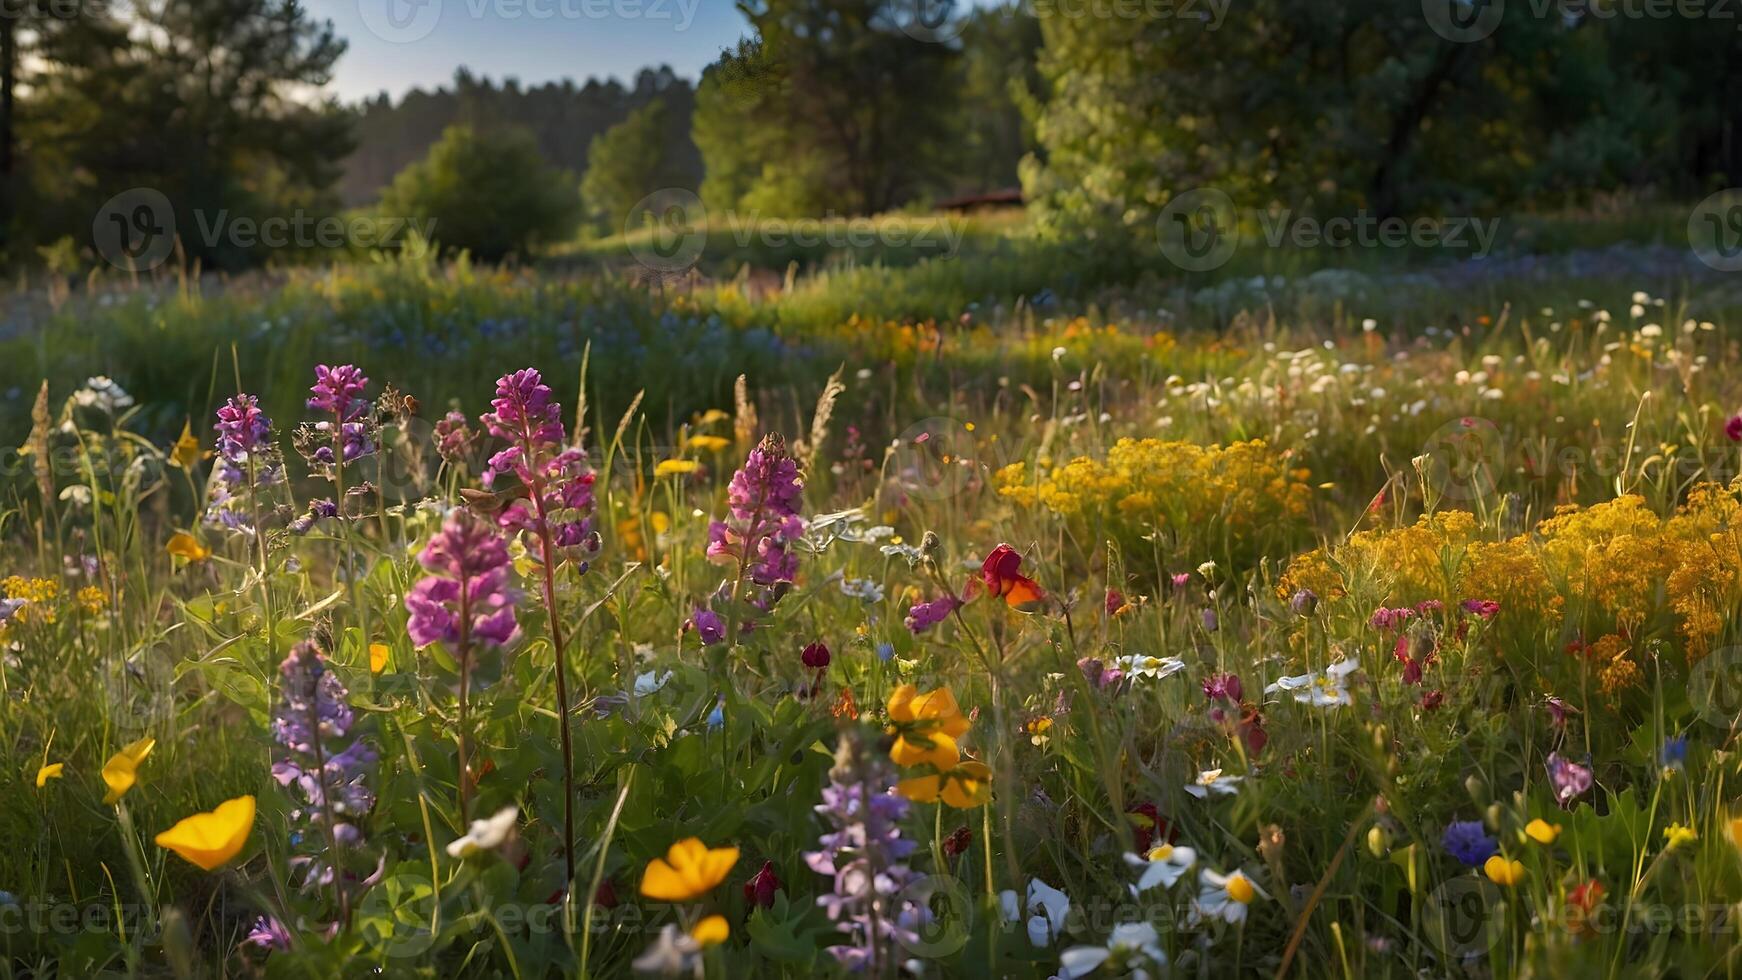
(1001, 611)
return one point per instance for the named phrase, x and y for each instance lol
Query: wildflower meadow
(1269, 651)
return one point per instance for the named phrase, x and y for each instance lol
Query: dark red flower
(958, 843)
(1115, 602)
(816, 655)
(760, 889)
(1223, 687)
(1147, 826)
(1432, 700)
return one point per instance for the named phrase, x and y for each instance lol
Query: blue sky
(397, 45)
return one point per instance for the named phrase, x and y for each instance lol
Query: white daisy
(1226, 896)
(1155, 668)
(1128, 939)
(1046, 906)
(1323, 690)
(1164, 865)
(487, 834)
(1211, 781)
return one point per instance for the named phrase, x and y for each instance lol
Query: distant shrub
(490, 194)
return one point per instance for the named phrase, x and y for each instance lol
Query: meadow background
(1045, 490)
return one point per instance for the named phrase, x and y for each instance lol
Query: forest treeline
(1102, 112)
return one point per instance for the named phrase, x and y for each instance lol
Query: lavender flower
(922, 616)
(269, 933)
(560, 481)
(469, 565)
(311, 723)
(764, 496)
(248, 466)
(338, 391)
(454, 438)
(1569, 779)
(876, 901)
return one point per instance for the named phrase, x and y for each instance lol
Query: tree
(838, 86)
(492, 195)
(213, 103)
(626, 163)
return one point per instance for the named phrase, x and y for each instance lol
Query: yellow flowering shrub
(1616, 563)
(1234, 494)
(39, 595)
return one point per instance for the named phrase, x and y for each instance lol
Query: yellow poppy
(1503, 872)
(689, 870)
(1542, 831)
(377, 657)
(676, 467)
(122, 769)
(711, 931)
(51, 771)
(965, 786)
(212, 839)
(928, 725)
(185, 545)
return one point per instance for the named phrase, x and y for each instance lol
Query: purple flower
(1481, 608)
(764, 495)
(560, 481)
(243, 429)
(466, 597)
(1467, 841)
(923, 616)
(338, 391)
(269, 933)
(1388, 620)
(874, 899)
(454, 438)
(1304, 602)
(1569, 779)
(1223, 687)
(311, 722)
(708, 626)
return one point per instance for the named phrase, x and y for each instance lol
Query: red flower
(760, 889)
(816, 655)
(1115, 602)
(605, 896)
(1581, 902)
(958, 843)
(1733, 428)
(1001, 575)
(1147, 826)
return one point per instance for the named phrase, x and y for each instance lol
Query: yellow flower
(927, 725)
(1503, 872)
(212, 839)
(964, 786)
(377, 657)
(91, 599)
(185, 545)
(122, 769)
(1736, 832)
(1675, 835)
(676, 467)
(1542, 831)
(711, 931)
(186, 451)
(51, 771)
(709, 444)
(689, 870)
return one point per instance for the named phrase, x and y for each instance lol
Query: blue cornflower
(1674, 753)
(1468, 842)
